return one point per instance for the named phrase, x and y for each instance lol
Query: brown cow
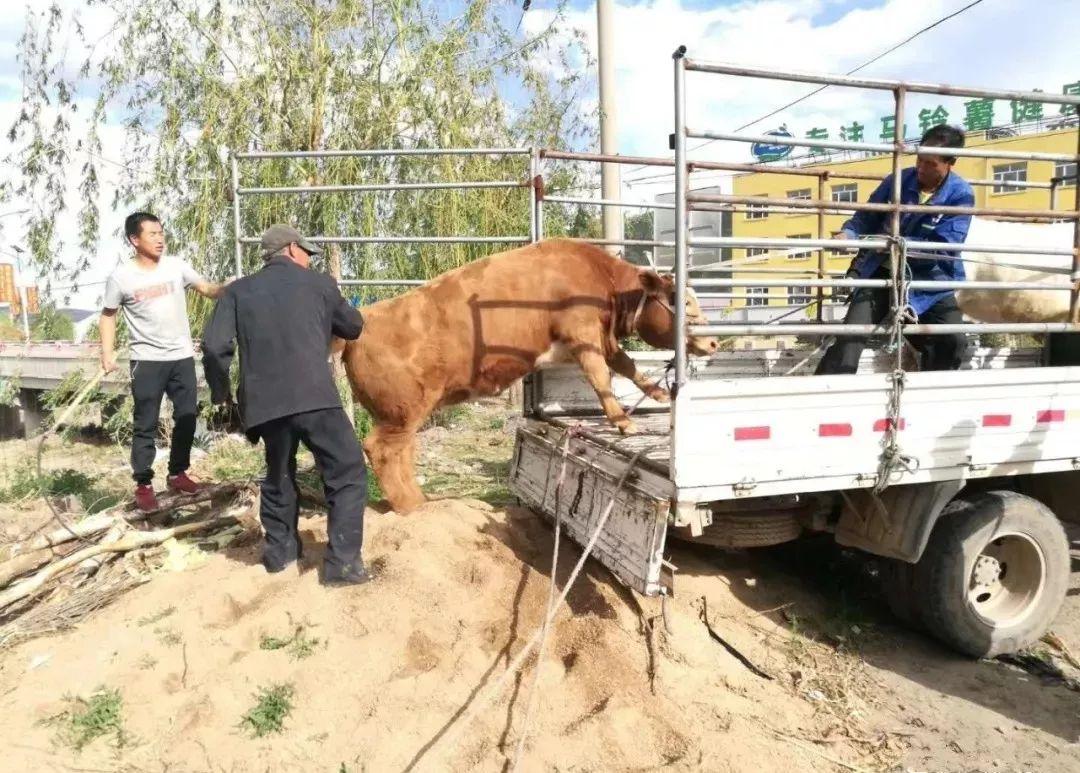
(473, 331)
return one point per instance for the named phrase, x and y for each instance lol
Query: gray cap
(279, 236)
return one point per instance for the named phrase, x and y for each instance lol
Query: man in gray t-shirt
(150, 288)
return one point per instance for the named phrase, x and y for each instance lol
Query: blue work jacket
(954, 192)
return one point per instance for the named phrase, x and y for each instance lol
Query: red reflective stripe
(997, 420)
(881, 425)
(834, 430)
(1046, 417)
(752, 433)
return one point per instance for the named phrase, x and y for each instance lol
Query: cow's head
(656, 321)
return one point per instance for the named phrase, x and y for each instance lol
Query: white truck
(987, 461)
(959, 477)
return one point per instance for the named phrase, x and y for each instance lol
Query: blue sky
(998, 43)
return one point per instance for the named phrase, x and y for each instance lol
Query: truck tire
(897, 580)
(749, 530)
(993, 574)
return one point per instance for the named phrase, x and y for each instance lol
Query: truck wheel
(749, 530)
(994, 573)
(897, 580)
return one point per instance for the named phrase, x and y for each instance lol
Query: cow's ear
(656, 284)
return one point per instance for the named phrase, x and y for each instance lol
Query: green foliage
(272, 706)
(9, 330)
(374, 490)
(117, 419)
(639, 227)
(190, 81)
(157, 617)
(56, 400)
(298, 646)
(449, 416)
(235, 460)
(93, 332)
(88, 719)
(51, 324)
(24, 483)
(9, 392)
(635, 345)
(363, 422)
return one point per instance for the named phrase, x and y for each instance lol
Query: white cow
(1017, 305)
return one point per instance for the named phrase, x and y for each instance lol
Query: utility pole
(24, 302)
(610, 186)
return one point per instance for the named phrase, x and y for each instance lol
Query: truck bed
(743, 428)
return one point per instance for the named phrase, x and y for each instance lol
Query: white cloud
(999, 45)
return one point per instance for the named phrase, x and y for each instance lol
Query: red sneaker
(182, 484)
(145, 499)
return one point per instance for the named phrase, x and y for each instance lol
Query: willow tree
(191, 81)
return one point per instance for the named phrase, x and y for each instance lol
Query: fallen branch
(27, 562)
(20, 558)
(63, 614)
(130, 541)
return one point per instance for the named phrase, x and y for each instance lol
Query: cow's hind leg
(388, 449)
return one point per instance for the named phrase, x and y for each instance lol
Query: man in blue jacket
(931, 181)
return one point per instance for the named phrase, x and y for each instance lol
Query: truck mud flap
(631, 545)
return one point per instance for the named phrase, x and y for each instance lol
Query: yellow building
(989, 178)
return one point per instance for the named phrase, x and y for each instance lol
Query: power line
(862, 66)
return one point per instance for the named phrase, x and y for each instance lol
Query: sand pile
(386, 667)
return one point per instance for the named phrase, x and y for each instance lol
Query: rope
(667, 368)
(482, 700)
(553, 588)
(892, 457)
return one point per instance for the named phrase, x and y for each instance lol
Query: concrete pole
(609, 173)
(24, 301)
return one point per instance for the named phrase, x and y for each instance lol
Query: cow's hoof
(627, 427)
(659, 394)
(408, 505)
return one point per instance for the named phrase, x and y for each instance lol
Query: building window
(1009, 173)
(798, 295)
(757, 211)
(801, 254)
(802, 194)
(757, 254)
(1066, 169)
(848, 192)
(757, 296)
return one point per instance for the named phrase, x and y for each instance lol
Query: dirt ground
(811, 674)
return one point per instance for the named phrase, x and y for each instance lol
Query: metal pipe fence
(381, 153)
(912, 149)
(835, 207)
(529, 182)
(844, 329)
(687, 201)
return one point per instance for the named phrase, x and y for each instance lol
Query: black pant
(150, 381)
(870, 305)
(328, 434)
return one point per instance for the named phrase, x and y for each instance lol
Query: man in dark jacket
(931, 181)
(283, 318)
